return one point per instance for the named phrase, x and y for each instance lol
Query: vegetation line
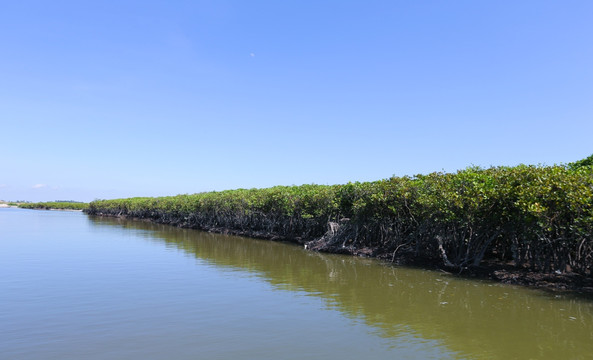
(55, 205)
(538, 218)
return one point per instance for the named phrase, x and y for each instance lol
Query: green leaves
(539, 216)
(57, 205)
(586, 162)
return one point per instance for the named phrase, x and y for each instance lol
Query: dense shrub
(588, 161)
(540, 217)
(58, 205)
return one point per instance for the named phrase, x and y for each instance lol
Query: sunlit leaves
(537, 216)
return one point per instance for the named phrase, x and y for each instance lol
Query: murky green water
(74, 287)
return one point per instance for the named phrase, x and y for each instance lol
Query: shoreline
(58, 209)
(51, 209)
(496, 271)
(55, 205)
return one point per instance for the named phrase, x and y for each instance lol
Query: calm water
(74, 287)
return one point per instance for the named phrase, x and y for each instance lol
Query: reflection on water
(78, 287)
(474, 319)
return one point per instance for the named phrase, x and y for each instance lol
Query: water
(74, 287)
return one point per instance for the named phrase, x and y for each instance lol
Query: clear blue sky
(110, 99)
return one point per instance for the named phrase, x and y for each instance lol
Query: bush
(540, 217)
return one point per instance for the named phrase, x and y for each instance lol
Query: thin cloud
(39, 186)
(3, 186)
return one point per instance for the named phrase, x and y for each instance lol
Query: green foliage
(588, 161)
(55, 205)
(535, 216)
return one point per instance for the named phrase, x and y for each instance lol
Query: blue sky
(111, 99)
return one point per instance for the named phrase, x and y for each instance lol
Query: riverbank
(532, 222)
(497, 271)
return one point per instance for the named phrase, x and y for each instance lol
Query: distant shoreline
(50, 209)
(37, 206)
(55, 205)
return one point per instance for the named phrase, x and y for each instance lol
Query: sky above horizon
(112, 99)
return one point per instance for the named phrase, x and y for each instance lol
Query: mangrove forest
(537, 218)
(55, 205)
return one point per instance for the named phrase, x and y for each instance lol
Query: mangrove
(525, 218)
(55, 205)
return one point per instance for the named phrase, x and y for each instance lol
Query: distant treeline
(535, 217)
(58, 205)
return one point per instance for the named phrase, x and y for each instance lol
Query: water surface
(74, 287)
